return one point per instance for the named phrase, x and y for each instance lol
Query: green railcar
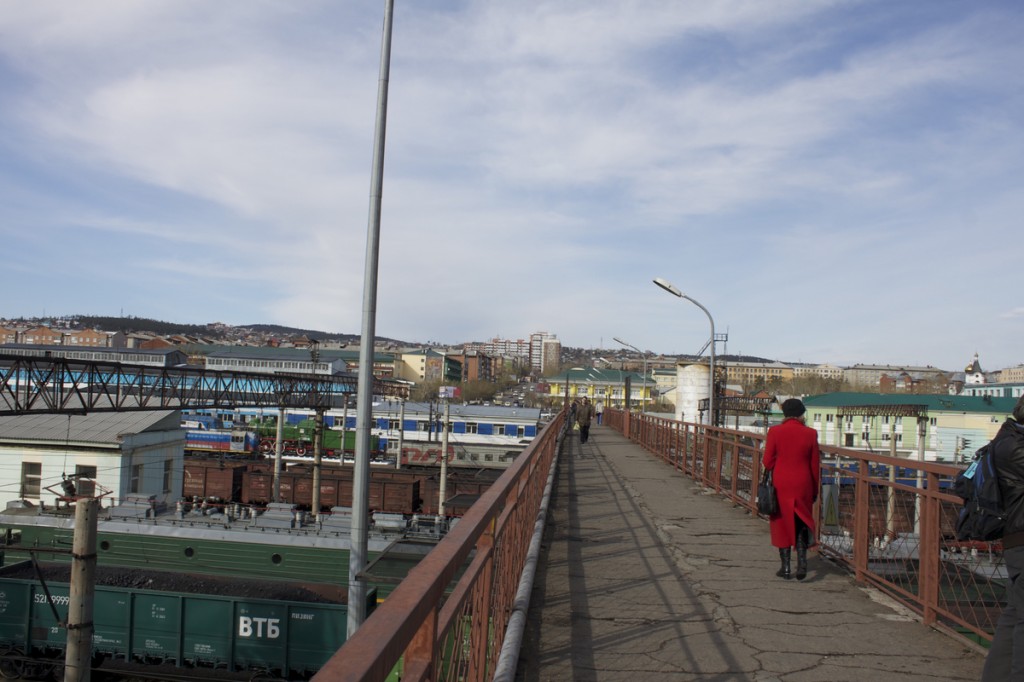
(298, 438)
(263, 547)
(199, 622)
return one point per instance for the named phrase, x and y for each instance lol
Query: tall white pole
(711, 373)
(364, 401)
(670, 288)
(643, 395)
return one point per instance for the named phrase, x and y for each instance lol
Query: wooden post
(83, 587)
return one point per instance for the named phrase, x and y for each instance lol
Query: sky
(834, 181)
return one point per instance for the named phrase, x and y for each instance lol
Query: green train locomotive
(297, 438)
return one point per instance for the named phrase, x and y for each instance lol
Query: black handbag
(767, 500)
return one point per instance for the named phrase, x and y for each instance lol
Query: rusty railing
(447, 619)
(890, 520)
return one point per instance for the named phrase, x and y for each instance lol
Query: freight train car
(269, 630)
(213, 479)
(405, 491)
(390, 491)
(463, 488)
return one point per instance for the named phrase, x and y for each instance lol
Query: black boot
(801, 553)
(784, 555)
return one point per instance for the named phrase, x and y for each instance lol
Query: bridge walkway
(647, 576)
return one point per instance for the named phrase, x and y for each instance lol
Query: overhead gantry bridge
(58, 385)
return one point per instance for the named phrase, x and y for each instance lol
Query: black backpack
(983, 516)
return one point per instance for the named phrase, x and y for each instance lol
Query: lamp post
(358, 550)
(670, 288)
(643, 395)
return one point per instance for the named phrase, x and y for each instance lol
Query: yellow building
(607, 386)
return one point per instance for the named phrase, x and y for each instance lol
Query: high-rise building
(543, 350)
(542, 345)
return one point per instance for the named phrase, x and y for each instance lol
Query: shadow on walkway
(647, 576)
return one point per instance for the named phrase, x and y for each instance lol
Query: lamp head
(627, 345)
(668, 286)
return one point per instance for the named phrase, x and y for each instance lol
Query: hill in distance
(213, 330)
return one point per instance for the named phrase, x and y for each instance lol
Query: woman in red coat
(791, 452)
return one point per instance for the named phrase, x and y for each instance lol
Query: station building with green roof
(942, 428)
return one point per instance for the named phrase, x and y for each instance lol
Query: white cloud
(826, 177)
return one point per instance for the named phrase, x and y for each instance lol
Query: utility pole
(401, 433)
(318, 439)
(278, 451)
(344, 430)
(443, 483)
(82, 591)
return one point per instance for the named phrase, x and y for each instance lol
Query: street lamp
(643, 396)
(359, 534)
(670, 288)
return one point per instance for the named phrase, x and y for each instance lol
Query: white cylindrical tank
(692, 387)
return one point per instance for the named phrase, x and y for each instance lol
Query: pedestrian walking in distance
(791, 453)
(584, 413)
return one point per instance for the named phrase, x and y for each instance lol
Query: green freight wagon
(195, 621)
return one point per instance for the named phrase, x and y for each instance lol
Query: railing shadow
(889, 520)
(439, 628)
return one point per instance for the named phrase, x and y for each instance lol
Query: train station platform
(647, 576)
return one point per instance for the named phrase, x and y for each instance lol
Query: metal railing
(447, 619)
(890, 520)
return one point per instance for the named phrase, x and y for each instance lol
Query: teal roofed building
(937, 427)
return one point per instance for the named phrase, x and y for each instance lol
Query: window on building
(134, 485)
(395, 424)
(828, 418)
(86, 483)
(168, 473)
(472, 427)
(31, 479)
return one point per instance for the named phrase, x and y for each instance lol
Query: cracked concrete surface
(645, 575)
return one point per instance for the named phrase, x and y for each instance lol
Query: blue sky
(835, 181)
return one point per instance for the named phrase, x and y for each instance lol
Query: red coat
(791, 450)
